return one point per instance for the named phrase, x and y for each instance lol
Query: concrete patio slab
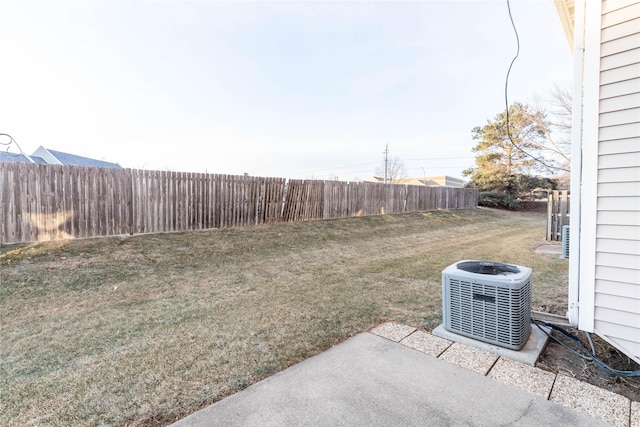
(372, 381)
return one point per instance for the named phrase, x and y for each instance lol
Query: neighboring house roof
(11, 157)
(39, 160)
(54, 157)
(72, 159)
(45, 156)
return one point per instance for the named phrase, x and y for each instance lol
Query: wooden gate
(557, 213)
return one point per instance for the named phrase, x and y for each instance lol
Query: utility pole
(386, 162)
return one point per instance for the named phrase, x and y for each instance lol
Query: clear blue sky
(297, 89)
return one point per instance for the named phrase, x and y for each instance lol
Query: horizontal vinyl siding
(620, 60)
(619, 160)
(615, 13)
(617, 260)
(619, 175)
(617, 302)
(627, 341)
(609, 6)
(622, 232)
(620, 117)
(617, 275)
(625, 145)
(619, 31)
(621, 88)
(618, 246)
(619, 289)
(629, 204)
(626, 72)
(618, 218)
(626, 204)
(620, 188)
(621, 131)
(620, 45)
(618, 317)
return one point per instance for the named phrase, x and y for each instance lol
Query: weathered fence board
(558, 208)
(48, 202)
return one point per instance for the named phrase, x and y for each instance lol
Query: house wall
(444, 181)
(616, 275)
(429, 181)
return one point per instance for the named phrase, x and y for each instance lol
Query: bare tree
(394, 168)
(556, 109)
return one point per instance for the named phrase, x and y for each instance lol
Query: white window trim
(589, 172)
(576, 164)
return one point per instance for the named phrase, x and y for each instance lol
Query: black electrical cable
(590, 356)
(8, 144)
(593, 347)
(506, 99)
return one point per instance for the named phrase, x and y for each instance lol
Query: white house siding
(617, 262)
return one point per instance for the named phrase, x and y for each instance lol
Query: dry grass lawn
(147, 329)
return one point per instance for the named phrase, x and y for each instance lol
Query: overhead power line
(506, 99)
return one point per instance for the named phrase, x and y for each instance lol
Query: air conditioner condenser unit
(488, 301)
(565, 241)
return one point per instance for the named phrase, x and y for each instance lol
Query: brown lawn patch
(147, 329)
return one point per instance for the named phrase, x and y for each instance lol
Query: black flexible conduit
(590, 354)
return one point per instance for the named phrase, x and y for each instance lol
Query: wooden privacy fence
(557, 213)
(46, 202)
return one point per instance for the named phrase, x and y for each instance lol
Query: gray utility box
(488, 301)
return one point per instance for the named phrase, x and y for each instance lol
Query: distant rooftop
(13, 157)
(429, 181)
(39, 160)
(72, 159)
(45, 156)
